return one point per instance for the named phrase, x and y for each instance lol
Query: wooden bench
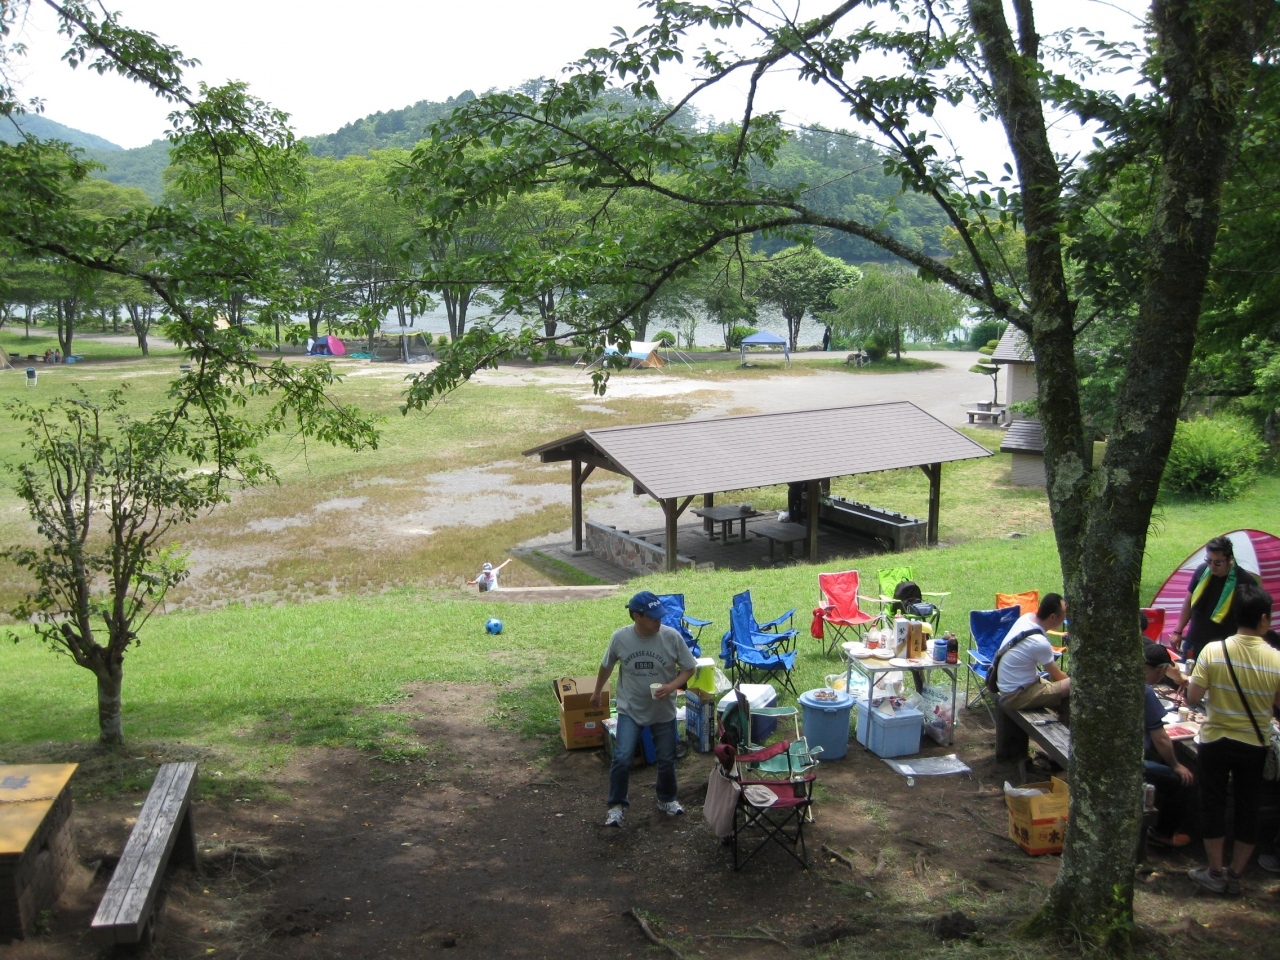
(164, 828)
(786, 534)
(1016, 728)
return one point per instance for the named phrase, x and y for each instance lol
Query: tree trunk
(66, 311)
(110, 720)
(642, 320)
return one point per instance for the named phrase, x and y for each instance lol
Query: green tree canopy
(891, 303)
(802, 280)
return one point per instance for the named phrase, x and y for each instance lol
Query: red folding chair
(767, 810)
(838, 609)
(1155, 623)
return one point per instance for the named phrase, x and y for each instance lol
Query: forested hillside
(46, 129)
(391, 128)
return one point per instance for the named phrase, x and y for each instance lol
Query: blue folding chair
(748, 664)
(673, 616)
(987, 628)
(784, 639)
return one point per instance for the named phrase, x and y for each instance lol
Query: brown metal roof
(756, 450)
(1023, 436)
(1013, 347)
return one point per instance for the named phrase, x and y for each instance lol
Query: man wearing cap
(1170, 778)
(647, 653)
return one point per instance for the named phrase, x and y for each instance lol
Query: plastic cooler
(896, 736)
(826, 722)
(758, 695)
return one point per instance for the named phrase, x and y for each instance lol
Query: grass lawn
(250, 682)
(19, 347)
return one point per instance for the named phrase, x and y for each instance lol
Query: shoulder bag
(993, 680)
(1271, 770)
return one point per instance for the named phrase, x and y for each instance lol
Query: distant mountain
(141, 167)
(390, 128)
(41, 126)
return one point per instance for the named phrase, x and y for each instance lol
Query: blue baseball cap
(646, 603)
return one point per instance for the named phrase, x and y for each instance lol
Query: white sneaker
(614, 819)
(671, 808)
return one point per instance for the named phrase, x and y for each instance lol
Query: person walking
(1241, 674)
(653, 663)
(1208, 611)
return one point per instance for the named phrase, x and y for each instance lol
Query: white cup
(1184, 713)
(654, 688)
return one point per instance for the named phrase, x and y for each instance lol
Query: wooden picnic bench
(164, 828)
(1016, 728)
(786, 534)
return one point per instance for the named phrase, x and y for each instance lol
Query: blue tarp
(764, 339)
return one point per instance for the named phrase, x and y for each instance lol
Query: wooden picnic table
(37, 850)
(726, 516)
(786, 534)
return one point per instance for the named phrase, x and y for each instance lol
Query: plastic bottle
(953, 648)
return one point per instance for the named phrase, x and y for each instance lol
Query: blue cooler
(758, 695)
(826, 722)
(896, 736)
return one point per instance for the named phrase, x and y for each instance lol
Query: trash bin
(826, 721)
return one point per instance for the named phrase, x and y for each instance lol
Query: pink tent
(336, 346)
(1255, 551)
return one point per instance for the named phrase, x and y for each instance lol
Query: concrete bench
(986, 413)
(1016, 728)
(164, 829)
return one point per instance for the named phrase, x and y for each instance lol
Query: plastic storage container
(826, 722)
(896, 736)
(758, 695)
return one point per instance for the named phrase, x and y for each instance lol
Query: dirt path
(489, 844)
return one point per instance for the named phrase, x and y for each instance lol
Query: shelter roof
(1023, 436)
(764, 338)
(1013, 347)
(687, 457)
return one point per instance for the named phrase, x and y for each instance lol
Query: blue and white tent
(765, 339)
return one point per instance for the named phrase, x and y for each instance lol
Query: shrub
(985, 331)
(443, 340)
(875, 349)
(736, 335)
(665, 337)
(1215, 459)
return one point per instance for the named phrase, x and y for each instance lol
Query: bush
(665, 337)
(875, 348)
(736, 335)
(985, 331)
(1214, 459)
(443, 340)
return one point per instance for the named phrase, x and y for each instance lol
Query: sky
(327, 62)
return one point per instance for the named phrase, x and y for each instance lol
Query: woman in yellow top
(1242, 676)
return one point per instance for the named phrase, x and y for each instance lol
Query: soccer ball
(493, 625)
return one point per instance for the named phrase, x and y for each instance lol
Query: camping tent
(326, 346)
(764, 339)
(1254, 550)
(643, 353)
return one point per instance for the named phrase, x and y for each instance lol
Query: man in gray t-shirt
(653, 663)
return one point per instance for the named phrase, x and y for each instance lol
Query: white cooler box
(758, 695)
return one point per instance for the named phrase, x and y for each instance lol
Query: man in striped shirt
(1234, 735)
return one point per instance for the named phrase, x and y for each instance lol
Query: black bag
(910, 602)
(993, 684)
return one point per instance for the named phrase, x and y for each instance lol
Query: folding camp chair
(838, 609)
(750, 657)
(901, 596)
(770, 626)
(766, 810)
(1027, 602)
(987, 628)
(1155, 623)
(735, 729)
(674, 616)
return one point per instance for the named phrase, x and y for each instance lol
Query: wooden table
(726, 517)
(37, 850)
(783, 533)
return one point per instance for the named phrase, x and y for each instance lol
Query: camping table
(872, 668)
(783, 533)
(37, 852)
(726, 517)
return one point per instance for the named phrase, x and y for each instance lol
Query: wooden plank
(1044, 728)
(130, 896)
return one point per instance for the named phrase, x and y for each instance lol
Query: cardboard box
(581, 725)
(1039, 824)
(700, 721)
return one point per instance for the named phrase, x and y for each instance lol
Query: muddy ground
(491, 844)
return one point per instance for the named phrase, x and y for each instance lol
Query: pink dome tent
(1255, 551)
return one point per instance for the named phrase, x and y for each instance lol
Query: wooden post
(672, 512)
(708, 525)
(575, 500)
(811, 520)
(935, 501)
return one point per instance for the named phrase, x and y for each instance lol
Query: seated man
(1025, 650)
(1170, 778)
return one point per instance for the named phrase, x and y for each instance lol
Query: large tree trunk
(1101, 521)
(110, 720)
(66, 313)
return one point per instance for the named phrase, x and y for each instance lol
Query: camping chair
(744, 598)
(838, 609)
(901, 596)
(749, 656)
(1155, 623)
(1025, 602)
(673, 616)
(735, 729)
(766, 810)
(987, 628)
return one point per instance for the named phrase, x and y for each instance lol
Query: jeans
(1242, 763)
(624, 753)
(1171, 796)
